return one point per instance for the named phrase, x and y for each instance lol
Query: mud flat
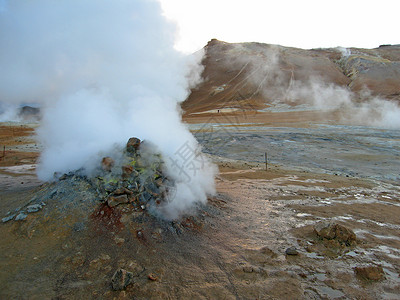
(359, 151)
(236, 247)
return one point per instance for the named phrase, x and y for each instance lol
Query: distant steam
(8, 111)
(361, 109)
(275, 81)
(103, 71)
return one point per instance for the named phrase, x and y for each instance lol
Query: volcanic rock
(121, 279)
(122, 191)
(113, 201)
(126, 171)
(374, 273)
(291, 251)
(133, 145)
(333, 231)
(107, 163)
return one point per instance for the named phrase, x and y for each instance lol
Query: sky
(296, 23)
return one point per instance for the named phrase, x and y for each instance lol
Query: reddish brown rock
(333, 231)
(126, 171)
(152, 277)
(133, 145)
(374, 273)
(107, 163)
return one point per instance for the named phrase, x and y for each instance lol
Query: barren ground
(234, 248)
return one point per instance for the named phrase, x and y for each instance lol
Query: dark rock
(335, 231)
(153, 189)
(291, 251)
(133, 145)
(121, 279)
(113, 201)
(110, 186)
(63, 177)
(107, 163)
(145, 197)
(374, 273)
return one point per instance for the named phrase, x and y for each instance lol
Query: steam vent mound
(130, 185)
(89, 234)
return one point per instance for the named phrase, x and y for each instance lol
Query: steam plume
(278, 84)
(103, 71)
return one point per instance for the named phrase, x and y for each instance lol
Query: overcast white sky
(298, 23)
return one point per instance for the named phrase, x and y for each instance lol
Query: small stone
(121, 279)
(113, 201)
(374, 273)
(21, 216)
(132, 145)
(33, 208)
(291, 251)
(152, 277)
(107, 163)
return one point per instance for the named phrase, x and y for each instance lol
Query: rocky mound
(91, 234)
(133, 181)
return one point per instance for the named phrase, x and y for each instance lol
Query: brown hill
(251, 76)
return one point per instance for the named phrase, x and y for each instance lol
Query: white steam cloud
(362, 109)
(103, 71)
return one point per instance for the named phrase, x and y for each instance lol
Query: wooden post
(266, 161)
(4, 153)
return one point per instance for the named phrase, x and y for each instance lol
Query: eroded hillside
(254, 75)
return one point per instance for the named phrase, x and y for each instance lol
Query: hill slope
(252, 76)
